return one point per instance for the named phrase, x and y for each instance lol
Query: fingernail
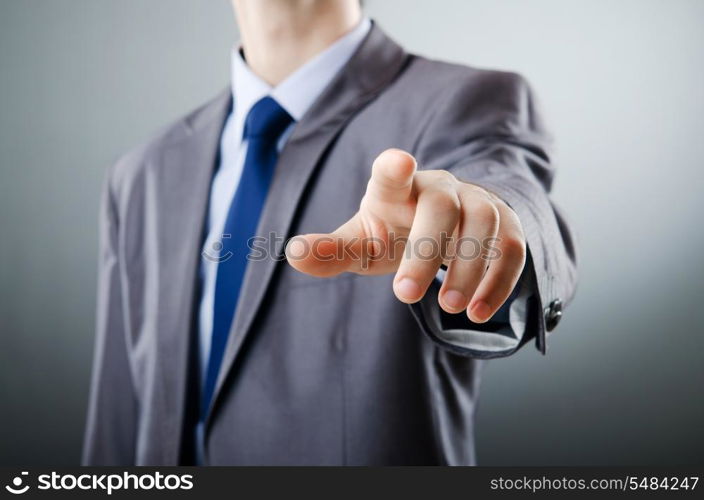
(296, 249)
(481, 311)
(454, 300)
(408, 289)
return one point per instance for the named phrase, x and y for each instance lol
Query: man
(212, 349)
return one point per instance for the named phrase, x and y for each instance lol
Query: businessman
(312, 267)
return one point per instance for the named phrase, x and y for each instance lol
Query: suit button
(553, 314)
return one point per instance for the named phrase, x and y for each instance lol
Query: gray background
(81, 81)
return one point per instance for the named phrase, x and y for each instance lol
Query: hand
(412, 222)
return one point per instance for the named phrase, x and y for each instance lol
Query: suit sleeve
(111, 423)
(488, 131)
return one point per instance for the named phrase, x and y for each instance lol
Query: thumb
(392, 176)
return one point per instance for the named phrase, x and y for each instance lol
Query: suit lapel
(182, 186)
(377, 61)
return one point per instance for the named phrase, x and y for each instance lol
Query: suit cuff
(511, 327)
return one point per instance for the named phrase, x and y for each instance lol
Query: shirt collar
(299, 90)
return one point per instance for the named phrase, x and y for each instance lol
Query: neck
(279, 36)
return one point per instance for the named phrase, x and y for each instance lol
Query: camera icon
(16, 488)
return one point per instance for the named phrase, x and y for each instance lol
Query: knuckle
(442, 180)
(437, 179)
(512, 216)
(513, 247)
(483, 212)
(444, 176)
(441, 201)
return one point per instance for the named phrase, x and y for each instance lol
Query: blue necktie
(263, 127)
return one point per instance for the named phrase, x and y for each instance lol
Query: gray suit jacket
(316, 371)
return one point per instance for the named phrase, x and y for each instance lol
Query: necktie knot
(266, 120)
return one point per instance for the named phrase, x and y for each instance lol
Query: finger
(392, 176)
(390, 189)
(503, 272)
(325, 255)
(479, 223)
(437, 214)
